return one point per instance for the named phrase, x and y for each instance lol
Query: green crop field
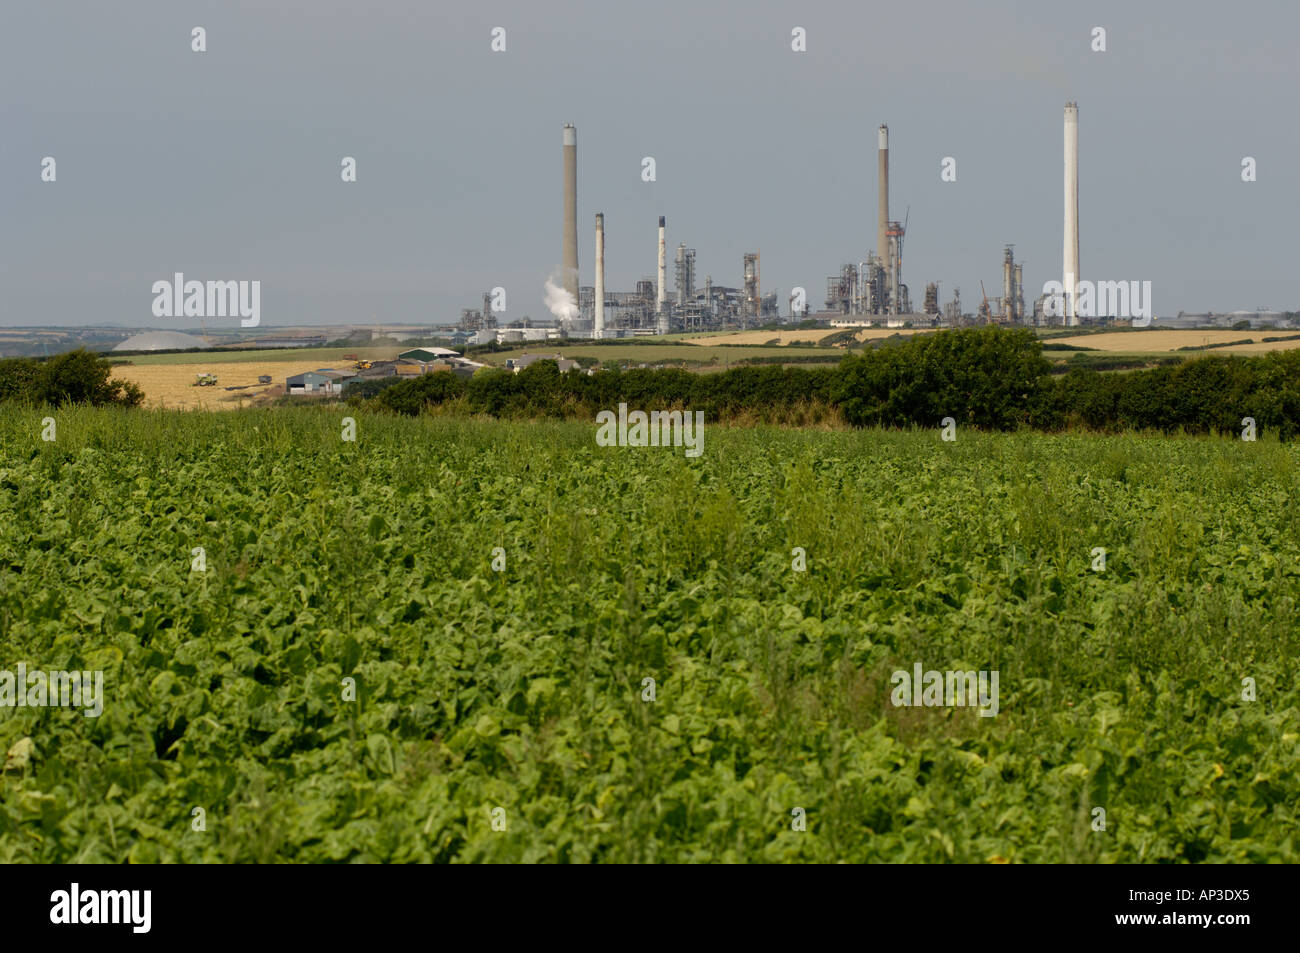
(342, 674)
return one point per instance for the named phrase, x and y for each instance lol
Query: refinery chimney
(1070, 258)
(1020, 292)
(681, 274)
(882, 202)
(1008, 284)
(660, 298)
(599, 326)
(569, 250)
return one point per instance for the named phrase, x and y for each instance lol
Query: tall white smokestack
(661, 298)
(599, 326)
(882, 203)
(569, 250)
(1070, 258)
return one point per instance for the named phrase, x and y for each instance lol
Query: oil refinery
(868, 292)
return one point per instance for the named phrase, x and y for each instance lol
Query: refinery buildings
(870, 291)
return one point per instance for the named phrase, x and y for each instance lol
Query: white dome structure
(160, 341)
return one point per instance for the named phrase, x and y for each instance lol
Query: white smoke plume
(559, 302)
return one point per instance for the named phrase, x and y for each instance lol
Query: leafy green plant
(522, 689)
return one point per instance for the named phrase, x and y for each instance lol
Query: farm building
(517, 364)
(427, 355)
(308, 382)
(323, 381)
(461, 368)
(338, 377)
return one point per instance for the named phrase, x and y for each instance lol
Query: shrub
(77, 377)
(412, 396)
(20, 379)
(990, 378)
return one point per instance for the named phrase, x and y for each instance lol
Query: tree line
(989, 378)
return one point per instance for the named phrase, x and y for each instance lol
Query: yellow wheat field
(1156, 341)
(171, 385)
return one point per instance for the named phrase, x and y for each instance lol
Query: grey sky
(225, 164)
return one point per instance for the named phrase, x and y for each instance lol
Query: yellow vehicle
(362, 365)
(205, 380)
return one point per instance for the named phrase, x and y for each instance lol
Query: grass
(523, 689)
(323, 355)
(654, 354)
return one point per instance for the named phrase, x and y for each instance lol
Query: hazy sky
(226, 164)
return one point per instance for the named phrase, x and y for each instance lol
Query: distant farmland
(656, 353)
(605, 353)
(172, 385)
(792, 337)
(317, 356)
(167, 378)
(1166, 340)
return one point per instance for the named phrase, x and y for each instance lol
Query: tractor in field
(264, 378)
(205, 380)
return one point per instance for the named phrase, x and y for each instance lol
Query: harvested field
(172, 385)
(1162, 341)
